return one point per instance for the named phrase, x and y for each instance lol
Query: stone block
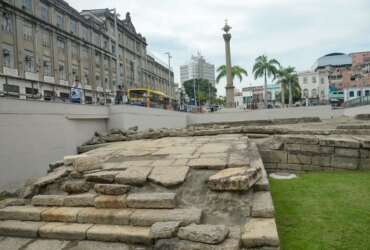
(209, 234)
(364, 141)
(102, 177)
(64, 231)
(164, 230)
(80, 200)
(238, 160)
(234, 179)
(10, 243)
(12, 202)
(61, 214)
(69, 159)
(111, 201)
(344, 162)
(151, 200)
(126, 234)
(326, 150)
(134, 176)
(300, 139)
(364, 163)
(299, 159)
(48, 200)
(148, 217)
(364, 153)
(48, 245)
(314, 149)
(169, 176)
(176, 244)
(339, 142)
(87, 163)
(323, 161)
(208, 163)
(260, 233)
(274, 156)
(293, 147)
(262, 206)
(263, 184)
(286, 166)
(96, 245)
(347, 152)
(104, 216)
(76, 186)
(26, 213)
(52, 177)
(15, 228)
(111, 189)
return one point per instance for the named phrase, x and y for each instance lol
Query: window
(132, 71)
(73, 26)
(322, 94)
(85, 52)
(367, 92)
(75, 75)
(359, 93)
(313, 93)
(74, 49)
(47, 67)
(305, 80)
(8, 56)
(64, 96)
(62, 74)
(6, 24)
(85, 33)
(13, 89)
(32, 91)
(27, 32)
(48, 95)
(351, 94)
(60, 20)
(86, 76)
(27, 4)
(113, 48)
(313, 79)
(97, 59)
(44, 12)
(305, 93)
(60, 43)
(29, 64)
(322, 80)
(96, 39)
(88, 100)
(105, 44)
(46, 39)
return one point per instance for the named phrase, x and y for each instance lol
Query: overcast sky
(296, 32)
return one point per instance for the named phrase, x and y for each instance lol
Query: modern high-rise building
(46, 46)
(198, 68)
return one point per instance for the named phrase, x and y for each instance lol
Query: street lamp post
(169, 69)
(229, 84)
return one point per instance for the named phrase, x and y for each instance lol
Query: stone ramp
(208, 192)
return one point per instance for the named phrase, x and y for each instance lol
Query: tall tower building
(197, 68)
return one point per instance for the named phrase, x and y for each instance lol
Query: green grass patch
(323, 211)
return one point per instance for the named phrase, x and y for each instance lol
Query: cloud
(294, 32)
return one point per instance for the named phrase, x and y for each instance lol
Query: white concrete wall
(33, 133)
(126, 116)
(324, 112)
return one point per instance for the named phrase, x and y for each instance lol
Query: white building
(314, 85)
(198, 68)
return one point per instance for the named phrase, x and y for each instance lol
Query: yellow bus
(149, 98)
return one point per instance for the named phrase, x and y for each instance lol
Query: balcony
(31, 76)
(49, 79)
(10, 72)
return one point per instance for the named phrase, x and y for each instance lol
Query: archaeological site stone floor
(184, 193)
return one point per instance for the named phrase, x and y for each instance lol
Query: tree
(236, 71)
(288, 78)
(204, 91)
(264, 67)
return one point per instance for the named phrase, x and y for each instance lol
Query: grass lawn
(323, 211)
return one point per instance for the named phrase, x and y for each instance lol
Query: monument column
(229, 84)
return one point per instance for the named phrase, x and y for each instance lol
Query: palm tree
(236, 71)
(265, 68)
(289, 80)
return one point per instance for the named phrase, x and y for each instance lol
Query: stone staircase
(211, 193)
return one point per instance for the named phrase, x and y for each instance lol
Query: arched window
(305, 93)
(313, 93)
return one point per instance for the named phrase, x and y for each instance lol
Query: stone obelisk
(229, 84)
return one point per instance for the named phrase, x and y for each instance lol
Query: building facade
(47, 46)
(314, 86)
(198, 68)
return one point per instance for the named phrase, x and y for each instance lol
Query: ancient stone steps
(132, 200)
(84, 215)
(75, 231)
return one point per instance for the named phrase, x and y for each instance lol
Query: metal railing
(360, 101)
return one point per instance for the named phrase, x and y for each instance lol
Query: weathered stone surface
(48, 200)
(326, 150)
(102, 177)
(260, 233)
(61, 214)
(364, 153)
(347, 152)
(104, 216)
(80, 200)
(52, 177)
(27, 213)
(339, 142)
(274, 156)
(76, 186)
(65, 231)
(126, 234)
(344, 162)
(47, 245)
(169, 176)
(315, 149)
(234, 179)
(56, 164)
(364, 140)
(176, 244)
(69, 159)
(148, 217)
(238, 160)
(111, 201)
(87, 163)
(151, 200)
(16, 228)
(323, 161)
(208, 163)
(262, 206)
(96, 245)
(111, 189)
(11, 243)
(364, 164)
(214, 148)
(293, 147)
(12, 202)
(300, 139)
(134, 175)
(209, 234)
(295, 158)
(164, 230)
(263, 184)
